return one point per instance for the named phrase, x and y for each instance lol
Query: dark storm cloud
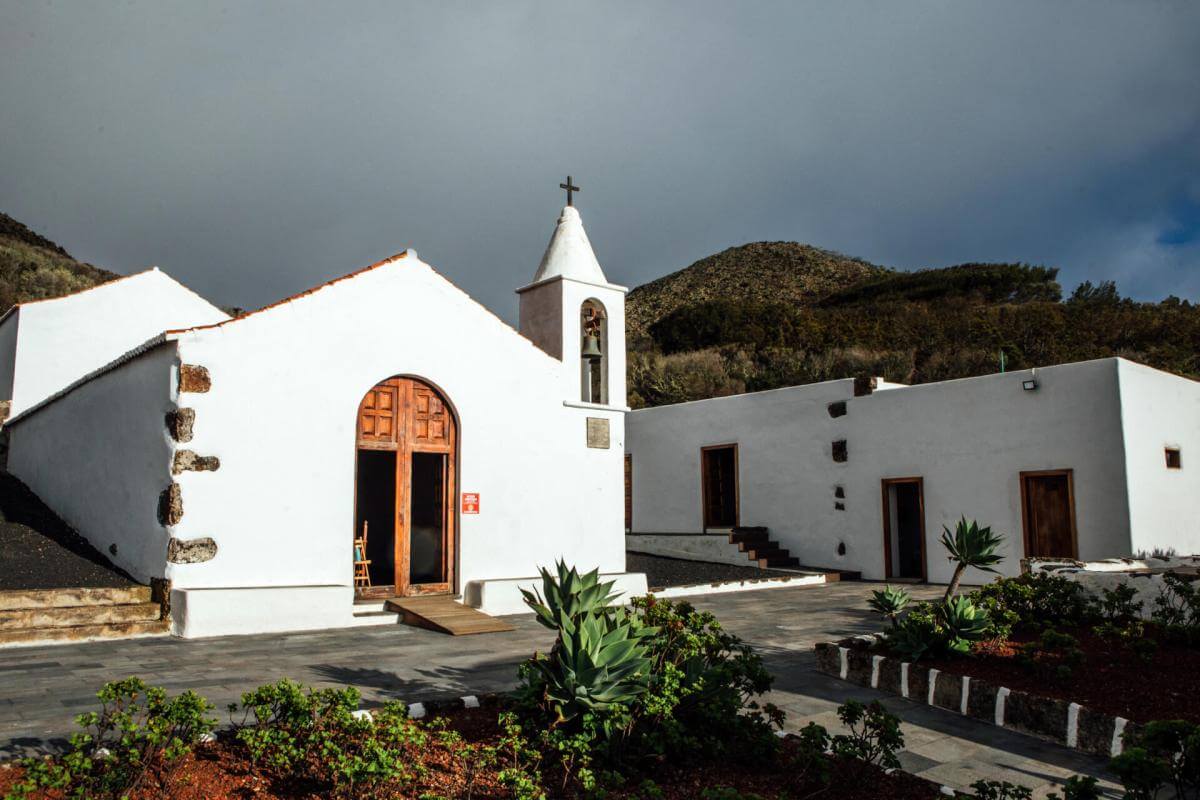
(254, 149)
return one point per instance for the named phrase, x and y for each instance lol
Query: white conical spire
(569, 254)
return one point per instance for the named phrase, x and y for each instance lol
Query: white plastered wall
(970, 439)
(1161, 410)
(286, 386)
(100, 455)
(63, 339)
(967, 439)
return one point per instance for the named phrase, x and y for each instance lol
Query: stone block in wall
(828, 658)
(981, 701)
(170, 505)
(194, 378)
(191, 551)
(947, 692)
(188, 461)
(918, 682)
(840, 454)
(889, 675)
(1094, 731)
(180, 423)
(859, 665)
(1038, 715)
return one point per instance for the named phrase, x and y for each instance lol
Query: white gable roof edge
(143, 348)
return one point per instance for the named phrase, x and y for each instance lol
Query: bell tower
(572, 312)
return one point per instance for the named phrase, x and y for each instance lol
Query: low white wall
(228, 612)
(1161, 410)
(503, 596)
(1096, 577)
(713, 548)
(99, 457)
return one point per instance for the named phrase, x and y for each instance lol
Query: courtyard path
(43, 688)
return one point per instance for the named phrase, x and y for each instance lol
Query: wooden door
(719, 485)
(1048, 513)
(413, 420)
(904, 529)
(628, 493)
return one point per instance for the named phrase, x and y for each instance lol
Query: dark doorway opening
(427, 529)
(1048, 511)
(904, 528)
(376, 492)
(719, 485)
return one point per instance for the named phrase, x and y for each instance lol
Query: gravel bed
(662, 572)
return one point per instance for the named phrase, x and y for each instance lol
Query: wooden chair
(362, 564)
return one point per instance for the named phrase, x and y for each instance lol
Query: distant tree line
(911, 328)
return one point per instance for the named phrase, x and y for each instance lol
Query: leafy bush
(890, 603)
(137, 730)
(1117, 605)
(1056, 655)
(874, 737)
(1032, 600)
(660, 680)
(1164, 755)
(315, 735)
(1177, 607)
(1000, 790)
(947, 628)
(970, 545)
(964, 624)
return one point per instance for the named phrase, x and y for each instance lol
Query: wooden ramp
(443, 613)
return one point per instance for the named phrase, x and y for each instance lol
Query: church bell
(591, 348)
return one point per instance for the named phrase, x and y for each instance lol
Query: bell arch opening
(406, 467)
(593, 356)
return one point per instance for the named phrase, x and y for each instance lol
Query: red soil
(1112, 679)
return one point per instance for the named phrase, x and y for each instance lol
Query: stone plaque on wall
(597, 433)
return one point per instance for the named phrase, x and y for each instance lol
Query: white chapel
(352, 443)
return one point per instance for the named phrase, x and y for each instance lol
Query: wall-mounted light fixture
(1029, 384)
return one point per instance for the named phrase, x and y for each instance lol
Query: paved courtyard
(43, 688)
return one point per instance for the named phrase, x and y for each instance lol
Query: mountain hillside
(757, 272)
(33, 268)
(767, 315)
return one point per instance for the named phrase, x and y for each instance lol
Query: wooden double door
(405, 485)
(1048, 511)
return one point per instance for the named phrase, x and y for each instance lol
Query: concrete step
(779, 561)
(14, 599)
(759, 553)
(750, 547)
(76, 633)
(740, 535)
(70, 616)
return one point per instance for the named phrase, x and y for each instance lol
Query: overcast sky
(255, 149)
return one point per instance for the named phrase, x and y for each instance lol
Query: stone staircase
(32, 616)
(756, 543)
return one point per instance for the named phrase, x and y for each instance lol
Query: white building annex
(1089, 461)
(240, 459)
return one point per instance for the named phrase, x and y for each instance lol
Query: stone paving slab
(42, 688)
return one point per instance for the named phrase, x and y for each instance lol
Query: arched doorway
(405, 484)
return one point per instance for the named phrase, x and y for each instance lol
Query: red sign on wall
(470, 502)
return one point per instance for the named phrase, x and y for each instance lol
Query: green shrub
(947, 628)
(623, 687)
(137, 729)
(599, 661)
(1078, 787)
(1164, 755)
(1000, 790)
(874, 737)
(1055, 655)
(1177, 608)
(1030, 601)
(1118, 606)
(890, 603)
(964, 623)
(314, 735)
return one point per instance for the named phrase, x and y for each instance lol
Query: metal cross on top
(570, 187)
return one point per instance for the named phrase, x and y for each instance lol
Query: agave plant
(970, 545)
(889, 603)
(569, 596)
(964, 622)
(599, 659)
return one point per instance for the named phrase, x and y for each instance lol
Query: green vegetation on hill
(909, 327)
(34, 268)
